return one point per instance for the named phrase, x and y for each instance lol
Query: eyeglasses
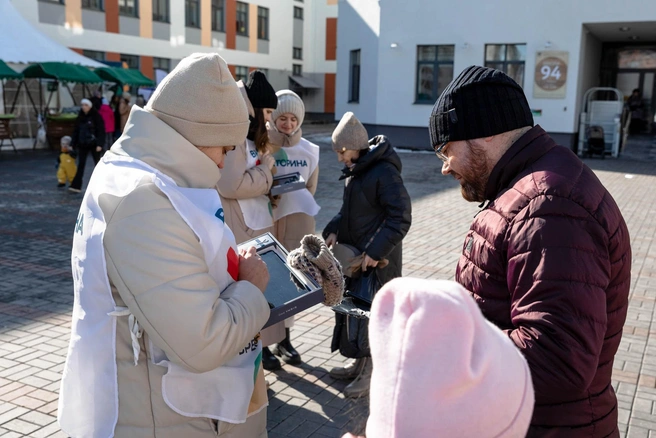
(439, 152)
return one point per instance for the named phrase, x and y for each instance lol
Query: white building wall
(475, 23)
(358, 27)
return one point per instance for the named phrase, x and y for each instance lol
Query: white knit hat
(86, 102)
(201, 101)
(289, 102)
(441, 369)
(350, 134)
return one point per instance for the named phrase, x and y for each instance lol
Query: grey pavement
(36, 229)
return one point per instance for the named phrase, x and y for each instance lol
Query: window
(163, 64)
(354, 77)
(241, 73)
(262, 23)
(218, 15)
(129, 8)
(161, 10)
(298, 12)
(298, 53)
(131, 60)
(192, 13)
(434, 72)
(61, 2)
(297, 70)
(96, 5)
(242, 18)
(509, 58)
(92, 54)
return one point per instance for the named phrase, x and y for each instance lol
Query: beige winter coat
(237, 182)
(157, 269)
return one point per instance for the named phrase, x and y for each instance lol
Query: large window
(128, 8)
(96, 5)
(241, 73)
(163, 64)
(218, 15)
(509, 58)
(262, 23)
(298, 12)
(192, 13)
(298, 53)
(131, 60)
(354, 77)
(434, 71)
(297, 70)
(92, 54)
(242, 19)
(161, 10)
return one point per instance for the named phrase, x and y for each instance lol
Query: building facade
(293, 41)
(395, 58)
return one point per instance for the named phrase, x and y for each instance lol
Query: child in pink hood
(108, 116)
(441, 369)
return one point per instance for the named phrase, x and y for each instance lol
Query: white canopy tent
(21, 43)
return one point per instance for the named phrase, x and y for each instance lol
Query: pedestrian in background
(108, 118)
(88, 138)
(548, 258)
(124, 107)
(66, 167)
(375, 216)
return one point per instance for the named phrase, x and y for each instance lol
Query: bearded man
(548, 258)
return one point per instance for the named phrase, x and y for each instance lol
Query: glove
(268, 160)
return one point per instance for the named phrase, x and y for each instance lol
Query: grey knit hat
(315, 259)
(201, 101)
(480, 102)
(350, 134)
(289, 102)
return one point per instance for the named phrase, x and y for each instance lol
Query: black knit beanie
(480, 102)
(260, 92)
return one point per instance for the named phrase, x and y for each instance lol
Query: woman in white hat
(294, 212)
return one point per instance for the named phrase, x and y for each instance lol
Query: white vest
(304, 159)
(256, 211)
(88, 401)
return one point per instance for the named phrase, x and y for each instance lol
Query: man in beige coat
(159, 272)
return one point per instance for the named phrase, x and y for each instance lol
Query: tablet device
(289, 291)
(287, 183)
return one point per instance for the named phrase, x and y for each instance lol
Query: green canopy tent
(59, 72)
(7, 72)
(124, 76)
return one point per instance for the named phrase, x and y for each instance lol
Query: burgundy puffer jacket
(549, 262)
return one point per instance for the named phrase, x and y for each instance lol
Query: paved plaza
(36, 230)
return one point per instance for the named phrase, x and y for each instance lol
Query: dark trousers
(82, 153)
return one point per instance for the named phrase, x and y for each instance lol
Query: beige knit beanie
(350, 134)
(201, 101)
(289, 102)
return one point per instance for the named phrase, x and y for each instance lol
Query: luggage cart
(605, 113)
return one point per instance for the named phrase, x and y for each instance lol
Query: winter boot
(350, 371)
(360, 386)
(286, 351)
(269, 361)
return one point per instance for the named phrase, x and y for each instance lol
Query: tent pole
(36, 110)
(71, 93)
(40, 95)
(13, 104)
(4, 102)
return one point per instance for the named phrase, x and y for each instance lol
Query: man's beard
(476, 175)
